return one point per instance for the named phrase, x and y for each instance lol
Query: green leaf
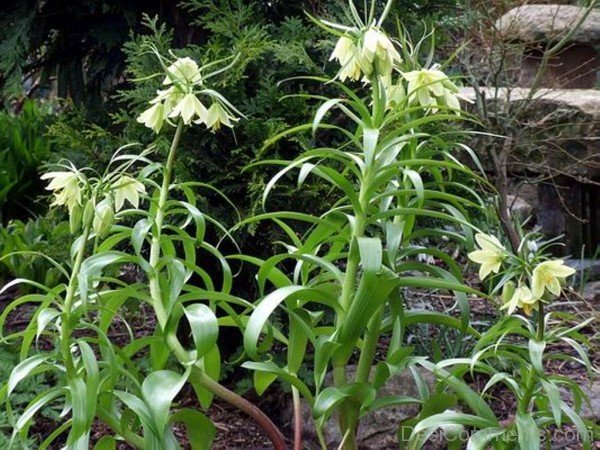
(480, 440)
(584, 433)
(323, 109)
(200, 430)
(92, 380)
(35, 405)
(139, 233)
(44, 317)
(106, 443)
(363, 394)
(370, 136)
(536, 353)
(464, 391)
(324, 350)
(23, 370)
(158, 391)
(79, 436)
(204, 326)
(177, 278)
(529, 434)
(424, 429)
(555, 401)
(265, 308)
(271, 367)
(93, 266)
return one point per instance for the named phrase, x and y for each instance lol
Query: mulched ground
(236, 431)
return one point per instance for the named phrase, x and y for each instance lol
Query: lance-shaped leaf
(158, 391)
(204, 326)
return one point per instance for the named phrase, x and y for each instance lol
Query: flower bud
(532, 246)
(75, 216)
(104, 217)
(508, 291)
(88, 213)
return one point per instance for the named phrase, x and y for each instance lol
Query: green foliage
(352, 200)
(23, 150)
(25, 245)
(21, 397)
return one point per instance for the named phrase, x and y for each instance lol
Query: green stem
(65, 338)
(128, 435)
(153, 280)
(348, 414)
(532, 377)
(369, 347)
(540, 324)
(297, 419)
(162, 314)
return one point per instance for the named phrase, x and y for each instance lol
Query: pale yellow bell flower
(188, 108)
(431, 88)
(169, 98)
(490, 255)
(127, 188)
(344, 50)
(378, 49)
(184, 71)
(66, 188)
(153, 117)
(217, 116)
(548, 275)
(395, 94)
(346, 53)
(361, 52)
(522, 298)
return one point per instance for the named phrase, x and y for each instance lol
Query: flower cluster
(536, 280)
(362, 52)
(180, 100)
(72, 189)
(67, 188)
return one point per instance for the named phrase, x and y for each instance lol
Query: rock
(549, 23)
(591, 292)
(539, 27)
(519, 207)
(377, 429)
(558, 140)
(564, 124)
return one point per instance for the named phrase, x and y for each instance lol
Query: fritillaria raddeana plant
(398, 185)
(390, 173)
(513, 352)
(100, 380)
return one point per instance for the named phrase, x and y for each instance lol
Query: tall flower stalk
(356, 257)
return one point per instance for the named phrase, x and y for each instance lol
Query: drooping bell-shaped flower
(548, 276)
(523, 298)
(66, 188)
(217, 115)
(189, 108)
(361, 52)
(127, 188)
(104, 217)
(183, 71)
(490, 255)
(379, 51)
(153, 117)
(432, 89)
